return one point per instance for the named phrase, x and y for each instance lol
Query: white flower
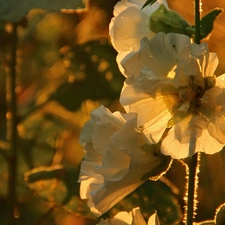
(117, 159)
(171, 84)
(132, 218)
(130, 24)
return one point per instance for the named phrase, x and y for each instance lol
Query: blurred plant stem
(43, 219)
(12, 128)
(194, 161)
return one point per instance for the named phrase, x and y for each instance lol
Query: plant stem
(12, 128)
(192, 187)
(194, 161)
(44, 217)
(197, 21)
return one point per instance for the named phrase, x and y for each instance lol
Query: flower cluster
(129, 25)
(174, 108)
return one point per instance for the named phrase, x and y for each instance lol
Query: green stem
(192, 187)
(12, 129)
(197, 21)
(194, 161)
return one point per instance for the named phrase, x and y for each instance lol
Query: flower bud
(168, 21)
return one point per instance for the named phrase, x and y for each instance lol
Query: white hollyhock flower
(132, 218)
(171, 84)
(130, 24)
(117, 159)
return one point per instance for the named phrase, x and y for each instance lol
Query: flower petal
(197, 141)
(209, 99)
(220, 81)
(153, 220)
(129, 12)
(127, 37)
(138, 219)
(217, 128)
(125, 218)
(208, 144)
(153, 114)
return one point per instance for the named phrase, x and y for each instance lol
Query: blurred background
(66, 67)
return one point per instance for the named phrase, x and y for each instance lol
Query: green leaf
(58, 186)
(148, 2)
(13, 11)
(31, 152)
(207, 22)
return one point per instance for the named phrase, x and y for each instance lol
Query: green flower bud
(168, 21)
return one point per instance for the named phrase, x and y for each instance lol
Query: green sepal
(210, 82)
(148, 2)
(170, 123)
(206, 23)
(169, 21)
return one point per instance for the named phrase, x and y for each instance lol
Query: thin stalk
(197, 21)
(193, 166)
(194, 161)
(12, 129)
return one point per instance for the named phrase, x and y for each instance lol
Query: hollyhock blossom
(117, 159)
(132, 218)
(130, 24)
(171, 84)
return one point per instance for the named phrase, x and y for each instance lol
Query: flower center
(190, 98)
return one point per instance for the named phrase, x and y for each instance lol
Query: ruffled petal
(109, 169)
(153, 115)
(209, 99)
(217, 128)
(111, 192)
(129, 95)
(161, 50)
(174, 148)
(181, 125)
(120, 57)
(211, 64)
(207, 144)
(194, 137)
(135, 61)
